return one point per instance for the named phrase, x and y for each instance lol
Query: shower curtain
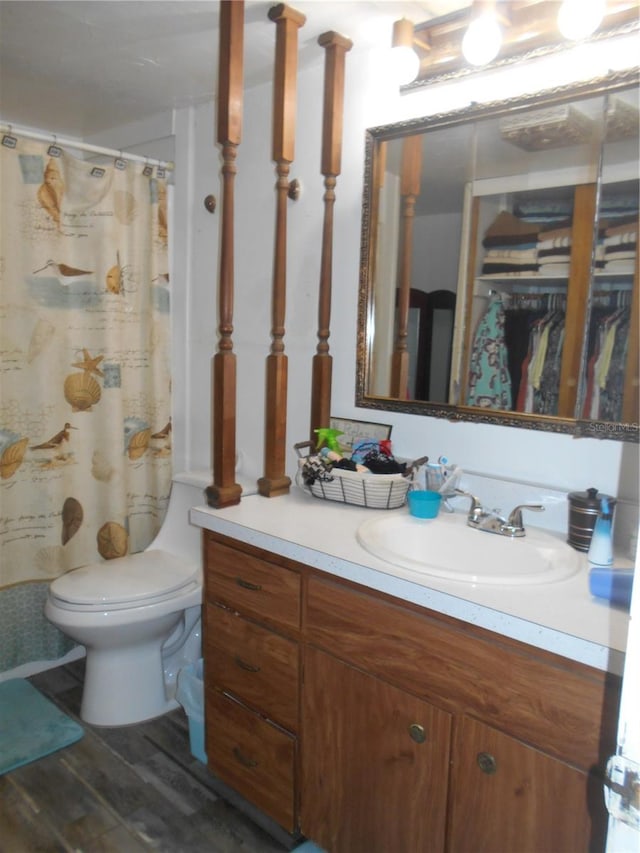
(85, 427)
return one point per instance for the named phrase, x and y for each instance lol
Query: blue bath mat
(30, 725)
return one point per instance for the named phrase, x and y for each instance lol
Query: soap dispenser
(601, 547)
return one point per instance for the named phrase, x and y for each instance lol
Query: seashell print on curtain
(85, 407)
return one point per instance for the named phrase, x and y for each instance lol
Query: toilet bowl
(138, 617)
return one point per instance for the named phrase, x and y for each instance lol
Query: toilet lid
(126, 579)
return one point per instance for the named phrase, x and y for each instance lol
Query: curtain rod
(85, 146)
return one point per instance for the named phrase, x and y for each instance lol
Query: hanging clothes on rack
(546, 379)
(534, 337)
(520, 314)
(608, 340)
(489, 380)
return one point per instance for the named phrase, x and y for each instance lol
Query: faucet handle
(515, 516)
(476, 509)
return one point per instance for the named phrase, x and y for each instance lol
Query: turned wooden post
(577, 298)
(336, 46)
(409, 191)
(287, 20)
(225, 491)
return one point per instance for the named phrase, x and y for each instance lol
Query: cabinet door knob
(486, 762)
(417, 733)
(248, 666)
(243, 759)
(256, 587)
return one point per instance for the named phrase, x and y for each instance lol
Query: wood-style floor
(120, 790)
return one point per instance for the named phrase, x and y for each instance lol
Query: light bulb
(405, 64)
(578, 19)
(482, 40)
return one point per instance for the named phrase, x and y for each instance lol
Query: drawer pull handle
(487, 763)
(248, 666)
(417, 733)
(247, 762)
(255, 587)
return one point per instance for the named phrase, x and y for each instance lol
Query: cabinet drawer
(253, 663)
(561, 709)
(252, 756)
(252, 586)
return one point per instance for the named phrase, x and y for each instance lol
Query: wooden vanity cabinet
(372, 725)
(252, 665)
(512, 734)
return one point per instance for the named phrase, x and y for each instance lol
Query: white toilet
(139, 618)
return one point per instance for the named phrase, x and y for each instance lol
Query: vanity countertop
(561, 617)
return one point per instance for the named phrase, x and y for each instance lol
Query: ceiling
(78, 67)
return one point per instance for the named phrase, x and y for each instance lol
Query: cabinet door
(375, 763)
(507, 796)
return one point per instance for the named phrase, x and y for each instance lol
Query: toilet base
(120, 692)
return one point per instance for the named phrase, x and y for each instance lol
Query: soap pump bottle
(601, 549)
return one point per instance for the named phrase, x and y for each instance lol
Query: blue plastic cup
(424, 504)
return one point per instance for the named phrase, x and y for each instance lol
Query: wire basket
(376, 491)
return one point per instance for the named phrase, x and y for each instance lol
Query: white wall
(554, 459)
(436, 251)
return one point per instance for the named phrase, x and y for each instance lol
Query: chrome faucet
(492, 522)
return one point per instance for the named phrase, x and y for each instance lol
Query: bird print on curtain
(85, 456)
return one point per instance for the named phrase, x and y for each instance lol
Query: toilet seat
(134, 581)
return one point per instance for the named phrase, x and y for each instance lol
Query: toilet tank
(177, 535)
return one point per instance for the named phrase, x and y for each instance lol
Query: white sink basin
(446, 548)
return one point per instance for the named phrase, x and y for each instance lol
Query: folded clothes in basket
(379, 481)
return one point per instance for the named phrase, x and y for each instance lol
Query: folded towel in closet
(507, 229)
(554, 242)
(612, 253)
(628, 234)
(555, 268)
(625, 223)
(621, 266)
(556, 252)
(530, 250)
(559, 231)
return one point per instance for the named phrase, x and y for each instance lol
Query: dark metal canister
(584, 508)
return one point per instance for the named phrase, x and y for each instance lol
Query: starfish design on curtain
(89, 364)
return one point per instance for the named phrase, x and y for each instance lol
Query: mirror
(499, 271)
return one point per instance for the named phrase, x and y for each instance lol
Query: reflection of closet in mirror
(523, 355)
(531, 265)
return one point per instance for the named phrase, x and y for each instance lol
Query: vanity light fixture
(405, 63)
(482, 41)
(468, 40)
(578, 19)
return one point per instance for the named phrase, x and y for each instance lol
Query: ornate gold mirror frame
(626, 430)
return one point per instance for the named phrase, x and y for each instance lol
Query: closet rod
(84, 146)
